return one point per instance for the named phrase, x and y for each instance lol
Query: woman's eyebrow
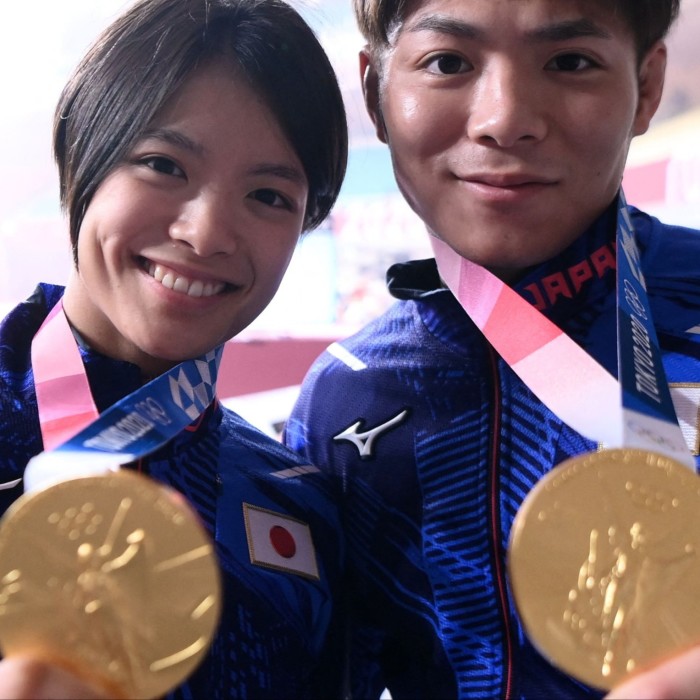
(556, 31)
(180, 140)
(175, 138)
(285, 172)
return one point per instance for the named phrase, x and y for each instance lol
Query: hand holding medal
(107, 573)
(605, 560)
(604, 551)
(111, 577)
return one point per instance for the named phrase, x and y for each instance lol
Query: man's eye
(163, 165)
(271, 198)
(571, 62)
(447, 64)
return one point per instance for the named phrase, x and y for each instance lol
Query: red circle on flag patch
(283, 541)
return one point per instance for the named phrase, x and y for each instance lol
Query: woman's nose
(207, 225)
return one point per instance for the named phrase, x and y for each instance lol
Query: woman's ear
(652, 72)
(369, 75)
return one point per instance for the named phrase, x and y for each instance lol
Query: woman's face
(186, 241)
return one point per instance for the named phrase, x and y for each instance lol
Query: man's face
(509, 121)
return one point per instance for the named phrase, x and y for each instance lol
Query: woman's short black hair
(145, 55)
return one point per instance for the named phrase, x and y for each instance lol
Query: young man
(509, 123)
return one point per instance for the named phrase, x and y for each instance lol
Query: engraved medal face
(604, 563)
(112, 576)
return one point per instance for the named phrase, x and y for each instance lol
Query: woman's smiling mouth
(180, 283)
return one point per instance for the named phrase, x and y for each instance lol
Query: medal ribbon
(62, 390)
(73, 431)
(636, 411)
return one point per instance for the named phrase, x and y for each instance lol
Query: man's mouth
(506, 181)
(184, 285)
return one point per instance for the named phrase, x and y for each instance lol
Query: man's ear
(369, 75)
(652, 73)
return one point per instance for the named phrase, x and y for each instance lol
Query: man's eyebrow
(445, 25)
(175, 138)
(570, 29)
(557, 31)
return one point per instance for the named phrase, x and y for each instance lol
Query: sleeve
(309, 432)
(309, 428)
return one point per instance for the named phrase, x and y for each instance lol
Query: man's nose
(506, 109)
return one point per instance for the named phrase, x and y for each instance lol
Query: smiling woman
(193, 230)
(191, 159)
(508, 123)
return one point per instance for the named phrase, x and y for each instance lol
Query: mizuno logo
(365, 441)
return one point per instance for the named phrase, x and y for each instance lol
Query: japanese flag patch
(277, 541)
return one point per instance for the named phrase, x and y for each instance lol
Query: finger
(22, 677)
(675, 679)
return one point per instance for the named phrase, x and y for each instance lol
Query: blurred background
(336, 281)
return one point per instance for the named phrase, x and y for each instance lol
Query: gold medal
(112, 577)
(604, 563)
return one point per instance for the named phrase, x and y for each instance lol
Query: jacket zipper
(495, 534)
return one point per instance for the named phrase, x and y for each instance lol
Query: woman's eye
(447, 64)
(571, 62)
(271, 198)
(163, 165)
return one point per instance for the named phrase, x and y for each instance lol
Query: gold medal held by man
(604, 563)
(112, 577)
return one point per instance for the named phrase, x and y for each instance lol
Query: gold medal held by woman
(604, 563)
(112, 577)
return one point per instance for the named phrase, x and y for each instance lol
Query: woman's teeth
(178, 283)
